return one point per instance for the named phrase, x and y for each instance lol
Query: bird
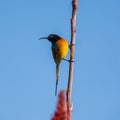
(59, 47)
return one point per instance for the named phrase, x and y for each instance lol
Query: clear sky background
(27, 69)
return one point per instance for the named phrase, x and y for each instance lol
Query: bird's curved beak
(43, 38)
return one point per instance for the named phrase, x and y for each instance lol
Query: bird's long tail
(57, 76)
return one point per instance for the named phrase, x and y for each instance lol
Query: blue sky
(27, 69)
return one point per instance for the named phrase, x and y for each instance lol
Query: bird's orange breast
(60, 50)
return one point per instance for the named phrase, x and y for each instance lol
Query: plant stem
(72, 50)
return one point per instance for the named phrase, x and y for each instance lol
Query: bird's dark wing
(55, 53)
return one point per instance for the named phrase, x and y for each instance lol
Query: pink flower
(61, 111)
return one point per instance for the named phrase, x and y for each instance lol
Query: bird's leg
(68, 60)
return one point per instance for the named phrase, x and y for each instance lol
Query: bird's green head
(52, 38)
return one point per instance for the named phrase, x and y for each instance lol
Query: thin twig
(71, 65)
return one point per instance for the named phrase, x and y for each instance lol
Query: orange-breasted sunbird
(59, 51)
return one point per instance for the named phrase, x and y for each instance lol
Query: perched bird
(59, 51)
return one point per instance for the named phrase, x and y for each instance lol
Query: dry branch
(71, 65)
